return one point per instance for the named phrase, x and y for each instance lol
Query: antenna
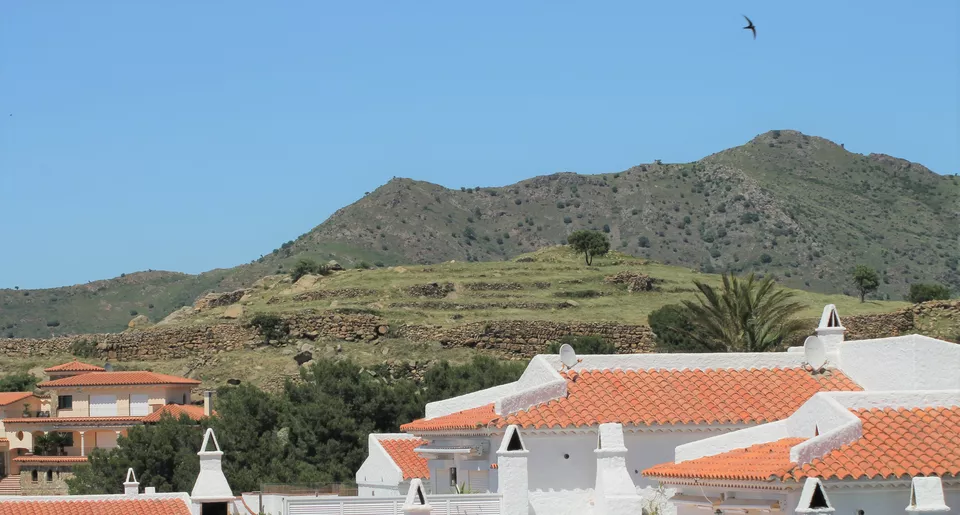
(815, 352)
(568, 356)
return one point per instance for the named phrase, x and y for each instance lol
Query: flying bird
(750, 26)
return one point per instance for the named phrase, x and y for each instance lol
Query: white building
(664, 408)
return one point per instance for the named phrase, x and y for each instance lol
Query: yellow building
(89, 407)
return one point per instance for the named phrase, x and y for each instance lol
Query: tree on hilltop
(590, 244)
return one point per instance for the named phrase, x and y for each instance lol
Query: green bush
(925, 292)
(672, 330)
(765, 258)
(583, 345)
(18, 382)
(643, 241)
(270, 326)
(84, 348)
(53, 323)
(308, 266)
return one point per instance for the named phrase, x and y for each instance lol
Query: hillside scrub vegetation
(927, 292)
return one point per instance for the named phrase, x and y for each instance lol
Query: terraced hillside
(785, 203)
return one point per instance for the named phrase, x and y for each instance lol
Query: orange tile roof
(7, 398)
(659, 397)
(760, 462)
(50, 459)
(74, 366)
(175, 411)
(96, 507)
(474, 418)
(75, 421)
(896, 443)
(401, 452)
(117, 379)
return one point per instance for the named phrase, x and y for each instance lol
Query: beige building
(89, 407)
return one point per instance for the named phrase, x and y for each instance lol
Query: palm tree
(744, 315)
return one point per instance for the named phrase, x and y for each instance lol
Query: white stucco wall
(912, 362)
(379, 476)
(566, 502)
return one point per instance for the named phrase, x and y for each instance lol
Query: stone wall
(509, 338)
(57, 485)
(525, 338)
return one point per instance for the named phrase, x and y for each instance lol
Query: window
(65, 402)
(49, 476)
(34, 476)
(453, 476)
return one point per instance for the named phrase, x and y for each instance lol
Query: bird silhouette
(750, 26)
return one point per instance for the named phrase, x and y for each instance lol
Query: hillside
(797, 206)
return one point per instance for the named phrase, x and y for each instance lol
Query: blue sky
(186, 135)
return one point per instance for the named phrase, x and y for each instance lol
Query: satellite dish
(815, 352)
(568, 356)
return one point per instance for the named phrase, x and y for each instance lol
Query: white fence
(465, 504)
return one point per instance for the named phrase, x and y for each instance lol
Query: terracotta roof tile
(7, 398)
(896, 443)
(755, 463)
(75, 421)
(96, 507)
(50, 459)
(117, 379)
(74, 366)
(401, 452)
(176, 410)
(474, 418)
(659, 397)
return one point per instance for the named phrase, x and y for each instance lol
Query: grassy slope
(819, 211)
(566, 273)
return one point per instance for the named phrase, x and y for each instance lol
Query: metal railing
(309, 489)
(462, 504)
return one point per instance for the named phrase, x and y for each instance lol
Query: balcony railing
(35, 414)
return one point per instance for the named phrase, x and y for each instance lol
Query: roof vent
(813, 499)
(926, 496)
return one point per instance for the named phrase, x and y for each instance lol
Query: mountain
(785, 203)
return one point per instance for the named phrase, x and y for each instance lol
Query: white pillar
(416, 501)
(131, 486)
(83, 443)
(512, 468)
(615, 492)
(207, 403)
(926, 496)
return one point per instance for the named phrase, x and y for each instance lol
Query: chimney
(207, 403)
(615, 491)
(416, 501)
(130, 485)
(926, 496)
(830, 330)
(149, 490)
(211, 485)
(512, 473)
(813, 500)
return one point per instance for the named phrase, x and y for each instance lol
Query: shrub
(469, 233)
(643, 241)
(308, 266)
(765, 258)
(606, 228)
(53, 323)
(270, 326)
(18, 382)
(672, 330)
(635, 211)
(363, 265)
(518, 202)
(578, 294)
(748, 218)
(614, 189)
(567, 220)
(925, 292)
(561, 204)
(583, 345)
(84, 348)
(134, 312)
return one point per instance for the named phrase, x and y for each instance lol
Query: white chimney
(211, 485)
(813, 500)
(207, 403)
(615, 491)
(416, 501)
(830, 330)
(149, 490)
(512, 473)
(130, 485)
(926, 496)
